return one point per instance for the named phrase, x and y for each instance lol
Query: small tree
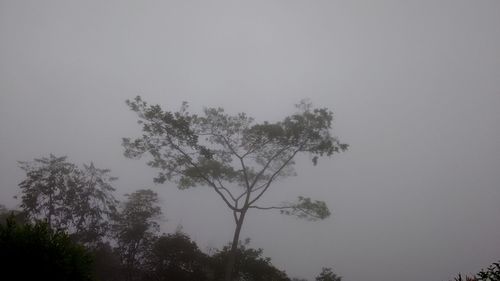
(236, 157)
(176, 257)
(135, 227)
(79, 201)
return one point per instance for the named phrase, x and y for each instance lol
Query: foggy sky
(415, 87)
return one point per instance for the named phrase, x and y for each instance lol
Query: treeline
(70, 226)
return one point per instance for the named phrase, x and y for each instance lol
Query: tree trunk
(228, 276)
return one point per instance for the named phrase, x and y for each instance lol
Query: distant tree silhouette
(135, 229)
(79, 201)
(36, 252)
(236, 157)
(176, 257)
(250, 265)
(492, 273)
(328, 275)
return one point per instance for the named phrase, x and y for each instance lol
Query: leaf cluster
(232, 154)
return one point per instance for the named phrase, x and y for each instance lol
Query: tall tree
(135, 229)
(80, 201)
(232, 154)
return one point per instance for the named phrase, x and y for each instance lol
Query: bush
(36, 252)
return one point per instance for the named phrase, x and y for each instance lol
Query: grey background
(415, 86)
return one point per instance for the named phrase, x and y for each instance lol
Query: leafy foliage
(217, 149)
(176, 257)
(79, 201)
(492, 273)
(250, 265)
(308, 209)
(135, 227)
(328, 275)
(236, 157)
(36, 252)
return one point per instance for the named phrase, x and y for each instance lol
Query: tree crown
(221, 150)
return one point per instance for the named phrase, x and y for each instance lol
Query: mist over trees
(129, 247)
(71, 226)
(235, 156)
(77, 200)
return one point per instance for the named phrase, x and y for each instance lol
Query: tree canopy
(236, 157)
(78, 200)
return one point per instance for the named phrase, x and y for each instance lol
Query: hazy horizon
(414, 86)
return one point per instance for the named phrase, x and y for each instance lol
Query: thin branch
(255, 146)
(285, 208)
(271, 208)
(212, 184)
(239, 157)
(267, 165)
(226, 190)
(275, 174)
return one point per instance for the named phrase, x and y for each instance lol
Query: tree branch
(226, 190)
(212, 184)
(305, 211)
(267, 165)
(275, 174)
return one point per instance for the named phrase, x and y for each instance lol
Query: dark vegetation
(70, 226)
(492, 273)
(45, 239)
(238, 158)
(38, 252)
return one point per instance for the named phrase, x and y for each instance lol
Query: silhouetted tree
(492, 273)
(176, 257)
(135, 228)
(236, 157)
(250, 265)
(36, 252)
(328, 275)
(79, 201)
